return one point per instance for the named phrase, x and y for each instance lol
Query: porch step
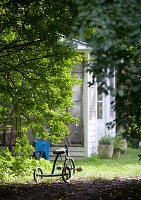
(76, 153)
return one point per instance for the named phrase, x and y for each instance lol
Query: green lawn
(128, 165)
(18, 169)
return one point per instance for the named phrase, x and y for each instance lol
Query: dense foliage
(112, 29)
(19, 168)
(35, 66)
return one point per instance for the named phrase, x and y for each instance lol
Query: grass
(127, 166)
(21, 171)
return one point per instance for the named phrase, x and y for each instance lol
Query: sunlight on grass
(128, 166)
(21, 170)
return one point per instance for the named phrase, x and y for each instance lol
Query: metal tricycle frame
(68, 170)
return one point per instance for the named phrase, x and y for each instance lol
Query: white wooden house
(93, 110)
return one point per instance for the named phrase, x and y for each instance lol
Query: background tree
(112, 29)
(35, 66)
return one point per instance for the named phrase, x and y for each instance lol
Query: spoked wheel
(66, 174)
(37, 174)
(69, 162)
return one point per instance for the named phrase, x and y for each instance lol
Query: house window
(99, 106)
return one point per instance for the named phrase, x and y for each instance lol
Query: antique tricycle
(67, 170)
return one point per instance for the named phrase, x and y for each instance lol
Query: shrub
(118, 144)
(19, 168)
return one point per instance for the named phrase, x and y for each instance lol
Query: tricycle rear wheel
(38, 174)
(66, 174)
(69, 163)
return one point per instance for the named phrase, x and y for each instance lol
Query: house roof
(81, 46)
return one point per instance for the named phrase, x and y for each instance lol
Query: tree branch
(20, 45)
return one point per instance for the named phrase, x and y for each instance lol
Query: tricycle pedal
(59, 167)
(79, 169)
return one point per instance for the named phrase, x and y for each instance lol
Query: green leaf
(121, 93)
(113, 92)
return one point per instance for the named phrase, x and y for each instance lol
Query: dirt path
(122, 189)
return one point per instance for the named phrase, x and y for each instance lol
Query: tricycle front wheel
(38, 174)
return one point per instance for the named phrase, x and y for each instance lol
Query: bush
(19, 168)
(118, 143)
(133, 142)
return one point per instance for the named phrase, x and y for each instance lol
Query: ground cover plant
(20, 169)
